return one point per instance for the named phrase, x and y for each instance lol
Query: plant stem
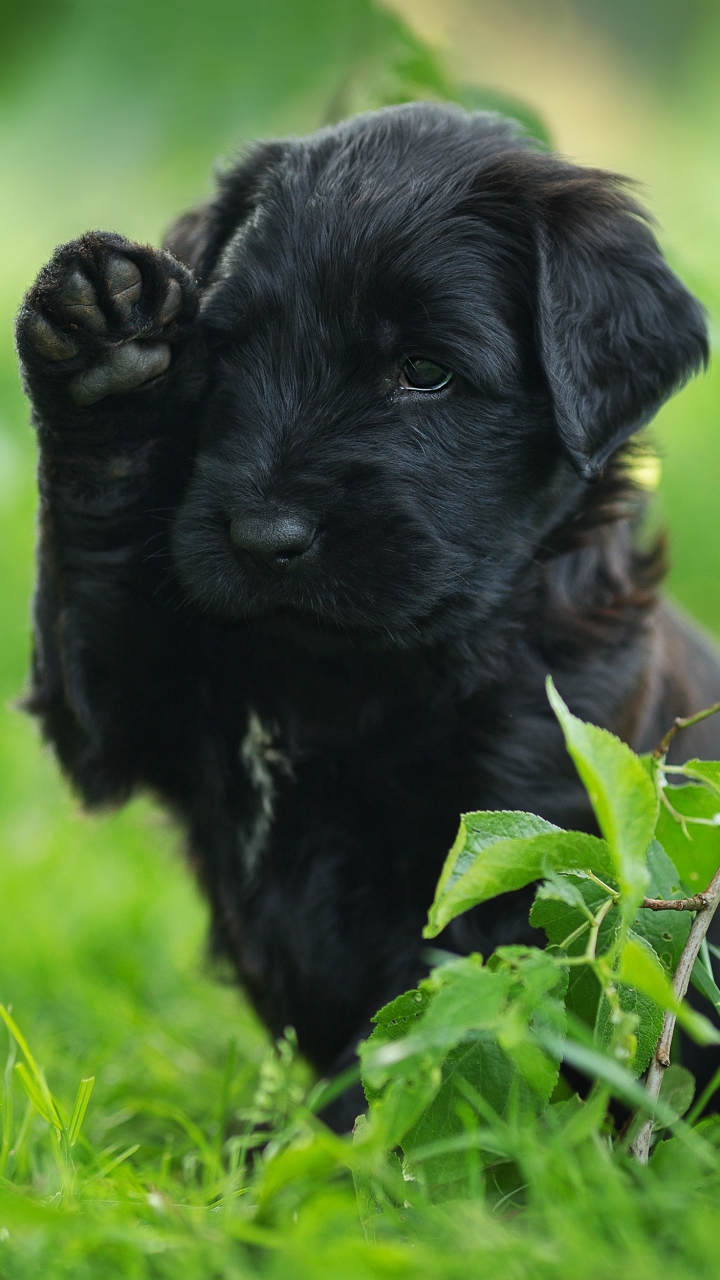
(682, 723)
(697, 903)
(640, 1147)
(594, 931)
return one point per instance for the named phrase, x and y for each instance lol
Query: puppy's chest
(381, 785)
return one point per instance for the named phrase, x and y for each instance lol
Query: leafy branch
(479, 1043)
(706, 906)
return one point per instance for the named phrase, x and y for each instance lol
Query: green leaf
(496, 853)
(676, 1091)
(621, 793)
(402, 1059)
(505, 1066)
(640, 968)
(697, 854)
(566, 889)
(480, 830)
(600, 1066)
(396, 1019)
(465, 996)
(707, 771)
(649, 1019)
(666, 931)
(560, 921)
(405, 1098)
(479, 1025)
(392, 1022)
(483, 1065)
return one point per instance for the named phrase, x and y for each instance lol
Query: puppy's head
(425, 338)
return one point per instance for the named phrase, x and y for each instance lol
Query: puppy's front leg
(112, 360)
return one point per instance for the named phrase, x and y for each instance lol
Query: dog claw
(80, 303)
(125, 283)
(125, 369)
(48, 340)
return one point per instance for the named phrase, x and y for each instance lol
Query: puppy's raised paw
(103, 316)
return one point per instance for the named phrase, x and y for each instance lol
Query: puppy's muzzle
(273, 545)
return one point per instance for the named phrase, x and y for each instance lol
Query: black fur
(318, 722)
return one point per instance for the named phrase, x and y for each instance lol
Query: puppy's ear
(198, 237)
(618, 332)
(187, 237)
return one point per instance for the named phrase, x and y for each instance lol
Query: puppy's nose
(273, 544)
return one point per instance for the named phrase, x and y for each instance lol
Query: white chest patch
(262, 762)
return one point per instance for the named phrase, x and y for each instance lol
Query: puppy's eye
(423, 375)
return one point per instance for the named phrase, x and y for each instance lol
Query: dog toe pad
(49, 341)
(124, 369)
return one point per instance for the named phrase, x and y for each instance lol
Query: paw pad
(94, 307)
(124, 369)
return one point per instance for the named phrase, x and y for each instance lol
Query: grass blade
(85, 1088)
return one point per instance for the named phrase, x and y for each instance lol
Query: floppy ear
(618, 332)
(198, 237)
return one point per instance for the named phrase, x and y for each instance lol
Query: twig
(595, 928)
(640, 1147)
(682, 723)
(698, 903)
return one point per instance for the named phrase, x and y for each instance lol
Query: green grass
(102, 932)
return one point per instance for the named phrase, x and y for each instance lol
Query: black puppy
(328, 486)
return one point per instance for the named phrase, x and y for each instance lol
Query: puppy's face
(379, 450)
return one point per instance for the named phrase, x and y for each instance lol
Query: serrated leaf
(392, 1022)
(600, 1066)
(466, 996)
(621, 792)
(469, 1004)
(560, 922)
(505, 1066)
(666, 931)
(649, 1024)
(707, 771)
(398, 1017)
(483, 1065)
(697, 855)
(479, 830)
(536, 1004)
(564, 889)
(402, 1060)
(560, 919)
(677, 1091)
(496, 864)
(640, 968)
(405, 1098)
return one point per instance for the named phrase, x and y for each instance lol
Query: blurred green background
(112, 113)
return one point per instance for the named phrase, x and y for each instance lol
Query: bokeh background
(112, 115)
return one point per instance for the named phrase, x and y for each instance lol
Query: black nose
(276, 544)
